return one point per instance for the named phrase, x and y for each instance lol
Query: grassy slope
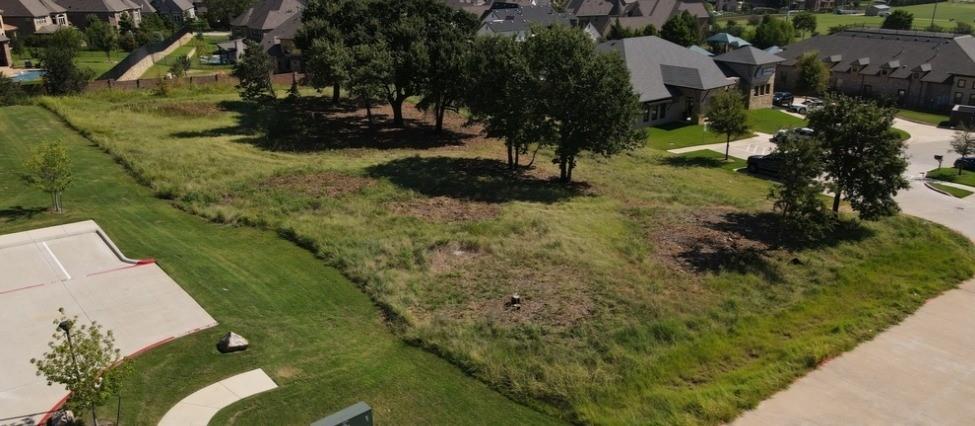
(950, 174)
(610, 333)
(315, 333)
(675, 136)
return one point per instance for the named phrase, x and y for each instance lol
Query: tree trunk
(511, 156)
(439, 112)
(368, 111)
(836, 200)
(570, 166)
(397, 104)
(94, 416)
(336, 92)
(54, 202)
(727, 147)
(563, 169)
(517, 157)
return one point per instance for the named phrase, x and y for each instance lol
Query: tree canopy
(101, 35)
(50, 169)
(254, 72)
(804, 22)
(864, 159)
(62, 76)
(681, 29)
(727, 115)
(773, 32)
(798, 197)
(899, 19)
(813, 75)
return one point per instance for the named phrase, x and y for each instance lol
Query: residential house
(280, 44)
(264, 17)
(5, 58)
(924, 70)
(145, 7)
(34, 16)
(178, 11)
(635, 14)
(516, 21)
(111, 11)
(878, 10)
(674, 83)
(755, 69)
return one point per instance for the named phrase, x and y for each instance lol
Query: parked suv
(965, 163)
(809, 105)
(782, 98)
(771, 163)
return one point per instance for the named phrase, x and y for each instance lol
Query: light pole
(66, 327)
(933, 12)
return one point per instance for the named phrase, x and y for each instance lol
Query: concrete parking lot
(78, 268)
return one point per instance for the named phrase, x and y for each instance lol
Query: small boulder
(232, 342)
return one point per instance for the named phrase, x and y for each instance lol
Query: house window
(958, 97)
(768, 88)
(61, 19)
(654, 112)
(755, 92)
(962, 83)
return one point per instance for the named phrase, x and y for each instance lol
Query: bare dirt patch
(452, 256)
(445, 209)
(318, 184)
(711, 240)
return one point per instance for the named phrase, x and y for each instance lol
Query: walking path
(198, 408)
(921, 371)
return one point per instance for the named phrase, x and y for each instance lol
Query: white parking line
(58, 262)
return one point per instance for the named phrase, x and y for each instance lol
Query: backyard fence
(215, 79)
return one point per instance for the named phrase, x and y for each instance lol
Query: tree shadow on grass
(691, 161)
(315, 124)
(473, 179)
(20, 212)
(769, 229)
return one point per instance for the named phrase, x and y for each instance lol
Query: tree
(681, 29)
(101, 35)
(727, 115)
(330, 29)
(502, 99)
(50, 169)
(83, 358)
(899, 19)
(125, 24)
(864, 158)
(450, 38)
(773, 32)
(804, 22)
(797, 199)
(963, 143)
(813, 74)
(254, 72)
(11, 93)
(584, 97)
(221, 12)
(373, 64)
(180, 66)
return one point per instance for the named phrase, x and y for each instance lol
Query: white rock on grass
(232, 342)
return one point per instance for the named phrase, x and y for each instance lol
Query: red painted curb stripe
(150, 347)
(21, 288)
(53, 409)
(141, 262)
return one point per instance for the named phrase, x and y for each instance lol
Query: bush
(11, 93)
(180, 66)
(128, 42)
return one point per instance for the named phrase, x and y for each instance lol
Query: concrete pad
(77, 267)
(199, 407)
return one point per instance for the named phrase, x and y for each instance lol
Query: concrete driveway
(755, 145)
(919, 372)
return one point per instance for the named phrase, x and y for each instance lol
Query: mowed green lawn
(635, 306)
(317, 335)
(676, 135)
(950, 174)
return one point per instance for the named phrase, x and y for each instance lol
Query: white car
(807, 106)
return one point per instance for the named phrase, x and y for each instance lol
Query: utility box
(358, 414)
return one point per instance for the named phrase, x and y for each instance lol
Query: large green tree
(773, 32)
(62, 75)
(254, 72)
(681, 29)
(727, 115)
(101, 35)
(50, 169)
(330, 30)
(864, 158)
(83, 358)
(797, 197)
(450, 36)
(804, 22)
(585, 96)
(813, 75)
(368, 78)
(899, 20)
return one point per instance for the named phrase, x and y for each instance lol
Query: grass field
(922, 117)
(314, 332)
(950, 174)
(954, 191)
(676, 135)
(636, 308)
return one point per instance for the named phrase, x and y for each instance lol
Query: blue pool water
(31, 75)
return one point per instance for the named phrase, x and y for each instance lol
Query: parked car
(965, 163)
(807, 106)
(801, 131)
(771, 163)
(782, 98)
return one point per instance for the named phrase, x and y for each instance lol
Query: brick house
(34, 16)
(923, 70)
(755, 69)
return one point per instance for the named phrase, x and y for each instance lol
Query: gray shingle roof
(268, 14)
(520, 19)
(748, 55)
(658, 66)
(29, 8)
(172, 7)
(99, 5)
(937, 55)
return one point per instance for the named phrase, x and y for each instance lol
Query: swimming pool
(29, 75)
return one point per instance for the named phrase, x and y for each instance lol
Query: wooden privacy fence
(150, 83)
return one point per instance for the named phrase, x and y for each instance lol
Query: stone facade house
(34, 16)
(110, 11)
(755, 69)
(177, 10)
(674, 83)
(921, 70)
(635, 14)
(264, 17)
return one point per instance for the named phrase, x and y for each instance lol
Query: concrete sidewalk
(199, 407)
